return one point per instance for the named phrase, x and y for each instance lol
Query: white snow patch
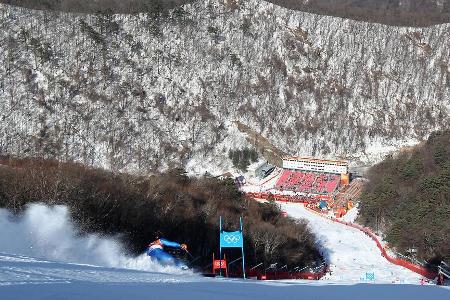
(351, 215)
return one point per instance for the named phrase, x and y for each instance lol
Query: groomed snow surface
(350, 253)
(43, 257)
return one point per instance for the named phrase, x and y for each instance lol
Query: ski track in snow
(23, 275)
(39, 260)
(349, 251)
(29, 278)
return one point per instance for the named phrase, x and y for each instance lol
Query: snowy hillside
(140, 92)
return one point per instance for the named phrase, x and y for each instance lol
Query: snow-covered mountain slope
(27, 278)
(138, 93)
(350, 253)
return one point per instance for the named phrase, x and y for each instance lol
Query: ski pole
(195, 259)
(189, 254)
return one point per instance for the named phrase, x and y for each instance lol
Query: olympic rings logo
(231, 239)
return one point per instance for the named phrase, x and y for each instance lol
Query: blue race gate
(232, 239)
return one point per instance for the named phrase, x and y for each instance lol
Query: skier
(156, 251)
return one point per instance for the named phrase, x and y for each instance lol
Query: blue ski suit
(156, 251)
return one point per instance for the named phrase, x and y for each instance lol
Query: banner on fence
(232, 239)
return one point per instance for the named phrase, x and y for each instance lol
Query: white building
(315, 165)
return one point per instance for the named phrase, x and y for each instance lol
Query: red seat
(307, 182)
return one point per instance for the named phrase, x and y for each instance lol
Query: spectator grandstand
(308, 182)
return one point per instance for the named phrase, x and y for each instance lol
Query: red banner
(217, 264)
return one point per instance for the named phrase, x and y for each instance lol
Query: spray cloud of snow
(47, 232)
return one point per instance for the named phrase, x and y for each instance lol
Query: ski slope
(27, 278)
(349, 251)
(42, 256)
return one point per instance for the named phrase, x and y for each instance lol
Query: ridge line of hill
(411, 13)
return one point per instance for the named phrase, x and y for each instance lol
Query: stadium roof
(314, 159)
